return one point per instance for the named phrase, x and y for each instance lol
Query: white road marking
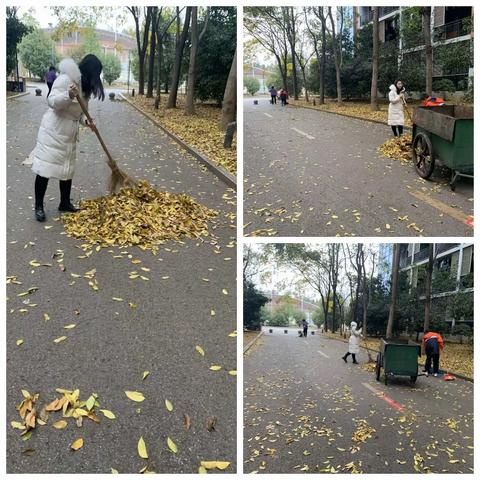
(372, 389)
(303, 133)
(268, 115)
(324, 354)
(306, 341)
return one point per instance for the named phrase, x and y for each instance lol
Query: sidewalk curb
(345, 115)
(217, 170)
(250, 344)
(459, 375)
(11, 97)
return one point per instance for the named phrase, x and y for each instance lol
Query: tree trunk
(336, 57)
(428, 289)
(177, 65)
(393, 301)
(151, 57)
(229, 106)
(159, 76)
(374, 86)
(427, 35)
(305, 82)
(190, 105)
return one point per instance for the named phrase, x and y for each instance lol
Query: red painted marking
(392, 403)
(469, 222)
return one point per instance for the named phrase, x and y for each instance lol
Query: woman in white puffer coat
(353, 342)
(55, 152)
(396, 117)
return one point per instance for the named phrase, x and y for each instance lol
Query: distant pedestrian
(305, 327)
(353, 342)
(433, 346)
(396, 117)
(284, 96)
(50, 77)
(273, 95)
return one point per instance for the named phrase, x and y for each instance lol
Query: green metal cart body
(443, 134)
(398, 358)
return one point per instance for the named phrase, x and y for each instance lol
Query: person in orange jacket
(433, 343)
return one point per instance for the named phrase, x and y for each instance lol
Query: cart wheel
(423, 155)
(453, 180)
(386, 377)
(378, 366)
(413, 378)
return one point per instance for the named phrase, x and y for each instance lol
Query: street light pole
(128, 78)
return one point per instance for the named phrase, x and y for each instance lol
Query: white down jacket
(395, 108)
(354, 340)
(55, 153)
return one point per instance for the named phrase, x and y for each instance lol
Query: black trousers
(435, 357)
(400, 130)
(274, 99)
(284, 100)
(41, 184)
(353, 356)
(305, 331)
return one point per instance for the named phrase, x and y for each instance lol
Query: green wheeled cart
(444, 135)
(398, 357)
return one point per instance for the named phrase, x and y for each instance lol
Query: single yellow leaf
(212, 312)
(108, 414)
(142, 448)
(202, 469)
(77, 444)
(70, 326)
(60, 424)
(146, 373)
(222, 465)
(200, 350)
(18, 425)
(233, 373)
(114, 470)
(19, 341)
(215, 368)
(171, 445)
(117, 299)
(208, 465)
(169, 405)
(225, 291)
(46, 317)
(60, 339)
(135, 396)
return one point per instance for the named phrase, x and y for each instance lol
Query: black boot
(41, 184)
(65, 203)
(354, 359)
(344, 358)
(40, 213)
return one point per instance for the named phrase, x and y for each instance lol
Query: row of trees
(313, 49)
(349, 282)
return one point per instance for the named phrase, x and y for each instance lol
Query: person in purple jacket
(50, 78)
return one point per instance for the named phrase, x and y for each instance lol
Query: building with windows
(449, 25)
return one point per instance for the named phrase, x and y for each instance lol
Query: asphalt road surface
(311, 173)
(113, 342)
(303, 405)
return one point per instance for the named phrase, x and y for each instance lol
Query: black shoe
(40, 213)
(69, 207)
(355, 362)
(344, 359)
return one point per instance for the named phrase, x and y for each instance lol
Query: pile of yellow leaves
(398, 148)
(201, 131)
(363, 432)
(138, 216)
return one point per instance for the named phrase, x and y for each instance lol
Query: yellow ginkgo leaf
(225, 291)
(146, 373)
(18, 425)
(19, 341)
(200, 350)
(171, 445)
(46, 317)
(60, 424)
(77, 444)
(108, 414)
(208, 465)
(135, 396)
(168, 404)
(60, 339)
(202, 469)
(70, 326)
(114, 470)
(215, 368)
(142, 448)
(222, 465)
(233, 373)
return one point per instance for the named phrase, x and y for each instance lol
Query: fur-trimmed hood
(70, 68)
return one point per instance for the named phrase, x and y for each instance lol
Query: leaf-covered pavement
(305, 410)
(129, 320)
(310, 173)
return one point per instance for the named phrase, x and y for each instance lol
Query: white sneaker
(435, 374)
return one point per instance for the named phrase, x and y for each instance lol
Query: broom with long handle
(118, 178)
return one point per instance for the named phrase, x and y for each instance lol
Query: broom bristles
(118, 180)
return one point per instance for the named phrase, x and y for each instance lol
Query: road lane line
(444, 208)
(386, 398)
(268, 115)
(303, 133)
(324, 354)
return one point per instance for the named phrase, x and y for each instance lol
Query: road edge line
(217, 170)
(345, 115)
(11, 97)
(250, 344)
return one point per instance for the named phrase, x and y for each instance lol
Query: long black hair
(403, 86)
(91, 68)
